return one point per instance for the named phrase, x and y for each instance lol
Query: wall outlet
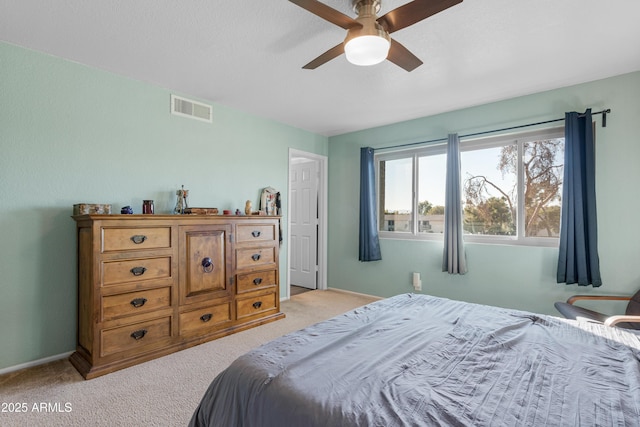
(417, 282)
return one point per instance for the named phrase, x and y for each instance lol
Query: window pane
(431, 188)
(489, 190)
(396, 188)
(543, 163)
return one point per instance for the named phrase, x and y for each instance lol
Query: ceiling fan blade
(400, 55)
(328, 13)
(412, 12)
(325, 57)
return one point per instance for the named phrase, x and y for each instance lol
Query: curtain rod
(604, 125)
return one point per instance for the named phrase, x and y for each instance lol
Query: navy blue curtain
(369, 242)
(578, 260)
(454, 260)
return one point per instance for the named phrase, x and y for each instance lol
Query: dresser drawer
(131, 303)
(254, 305)
(137, 337)
(205, 319)
(125, 239)
(255, 233)
(135, 269)
(254, 281)
(255, 257)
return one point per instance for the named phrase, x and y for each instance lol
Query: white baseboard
(354, 293)
(35, 363)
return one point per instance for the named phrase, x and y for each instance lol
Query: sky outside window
(433, 177)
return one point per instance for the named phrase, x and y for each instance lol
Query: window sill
(487, 240)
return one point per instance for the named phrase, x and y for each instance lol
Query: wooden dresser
(150, 285)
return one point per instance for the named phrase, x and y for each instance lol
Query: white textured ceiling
(248, 54)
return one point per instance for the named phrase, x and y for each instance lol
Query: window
(497, 174)
(489, 187)
(400, 177)
(396, 179)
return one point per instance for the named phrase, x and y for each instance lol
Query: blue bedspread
(415, 360)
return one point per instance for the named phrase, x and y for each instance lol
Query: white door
(304, 224)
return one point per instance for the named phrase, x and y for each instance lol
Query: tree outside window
(491, 205)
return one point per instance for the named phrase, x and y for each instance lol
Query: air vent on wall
(192, 109)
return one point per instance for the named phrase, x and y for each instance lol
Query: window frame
(519, 138)
(414, 154)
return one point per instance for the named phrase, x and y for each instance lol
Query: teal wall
(72, 134)
(519, 277)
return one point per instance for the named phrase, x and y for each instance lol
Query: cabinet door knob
(255, 257)
(138, 271)
(206, 317)
(139, 334)
(207, 265)
(138, 239)
(256, 233)
(257, 304)
(138, 302)
(257, 281)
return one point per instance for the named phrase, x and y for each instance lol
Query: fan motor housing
(367, 10)
(373, 5)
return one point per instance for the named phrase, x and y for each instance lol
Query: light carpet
(161, 392)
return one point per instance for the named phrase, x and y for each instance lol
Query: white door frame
(322, 216)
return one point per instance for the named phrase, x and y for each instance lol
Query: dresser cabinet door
(204, 263)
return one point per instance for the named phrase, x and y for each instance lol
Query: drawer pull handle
(255, 257)
(207, 265)
(138, 239)
(206, 317)
(138, 271)
(139, 334)
(138, 302)
(255, 233)
(257, 304)
(257, 281)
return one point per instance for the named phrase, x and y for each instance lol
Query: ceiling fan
(368, 41)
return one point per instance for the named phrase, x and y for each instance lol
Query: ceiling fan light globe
(367, 50)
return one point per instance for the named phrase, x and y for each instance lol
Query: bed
(416, 360)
